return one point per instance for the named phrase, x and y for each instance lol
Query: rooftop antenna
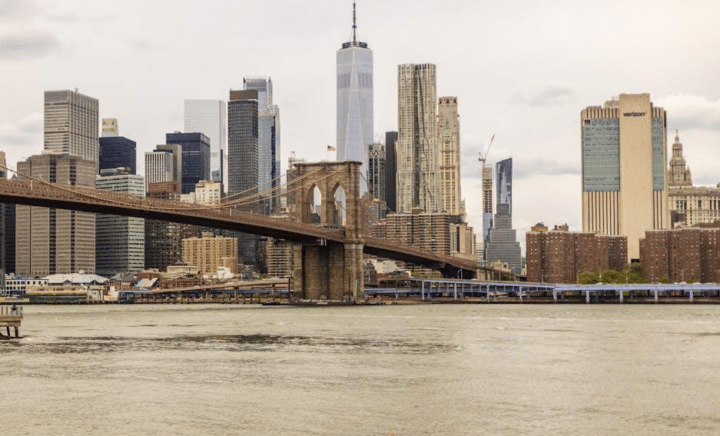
(354, 26)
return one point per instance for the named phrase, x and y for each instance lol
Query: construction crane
(483, 157)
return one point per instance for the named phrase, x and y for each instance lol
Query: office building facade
(428, 231)
(355, 115)
(158, 167)
(120, 240)
(417, 151)
(503, 245)
(210, 252)
(110, 127)
(268, 142)
(7, 228)
(71, 124)
(56, 241)
(391, 170)
(377, 171)
(195, 149)
(243, 143)
(163, 240)
(243, 163)
(502, 242)
(624, 161)
(117, 152)
(209, 117)
(487, 199)
(449, 141)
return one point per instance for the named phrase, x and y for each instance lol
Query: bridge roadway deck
(36, 193)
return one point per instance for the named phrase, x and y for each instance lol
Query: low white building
(17, 285)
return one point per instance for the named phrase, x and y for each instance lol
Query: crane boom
(483, 157)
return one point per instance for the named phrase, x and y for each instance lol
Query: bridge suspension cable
(98, 195)
(229, 202)
(254, 198)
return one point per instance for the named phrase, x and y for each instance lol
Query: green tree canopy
(588, 277)
(635, 273)
(611, 276)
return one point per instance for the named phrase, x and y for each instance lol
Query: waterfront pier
(10, 317)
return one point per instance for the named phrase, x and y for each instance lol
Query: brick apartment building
(682, 254)
(559, 256)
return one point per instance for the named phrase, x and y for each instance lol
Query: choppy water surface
(415, 370)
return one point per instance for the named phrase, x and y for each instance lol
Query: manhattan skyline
(522, 71)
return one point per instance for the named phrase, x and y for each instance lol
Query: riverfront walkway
(429, 289)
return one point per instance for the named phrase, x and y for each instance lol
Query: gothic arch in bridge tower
(314, 200)
(339, 205)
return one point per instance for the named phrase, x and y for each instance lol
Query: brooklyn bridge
(328, 253)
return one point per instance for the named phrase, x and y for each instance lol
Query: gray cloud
(32, 123)
(691, 112)
(27, 46)
(551, 96)
(63, 17)
(141, 44)
(523, 167)
(23, 133)
(73, 17)
(16, 9)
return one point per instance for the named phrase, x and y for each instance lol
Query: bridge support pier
(329, 271)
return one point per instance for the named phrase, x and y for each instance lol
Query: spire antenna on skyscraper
(354, 40)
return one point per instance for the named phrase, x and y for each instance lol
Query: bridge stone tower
(329, 270)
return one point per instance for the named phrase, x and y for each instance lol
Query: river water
(414, 370)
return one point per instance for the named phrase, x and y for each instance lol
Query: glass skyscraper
(503, 245)
(268, 142)
(243, 162)
(195, 157)
(210, 118)
(243, 143)
(117, 152)
(354, 101)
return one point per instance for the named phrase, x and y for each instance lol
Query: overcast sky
(522, 70)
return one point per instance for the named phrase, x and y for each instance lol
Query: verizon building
(623, 169)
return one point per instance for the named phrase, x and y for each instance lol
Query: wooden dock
(10, 316)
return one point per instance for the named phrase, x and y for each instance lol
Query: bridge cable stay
(256, 197)
(249, 190)
(244, 200)
(250, 199)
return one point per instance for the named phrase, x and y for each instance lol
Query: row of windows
(601, 162)
(683, 204)
(364, 80)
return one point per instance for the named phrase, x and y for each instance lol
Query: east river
(414, 370)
